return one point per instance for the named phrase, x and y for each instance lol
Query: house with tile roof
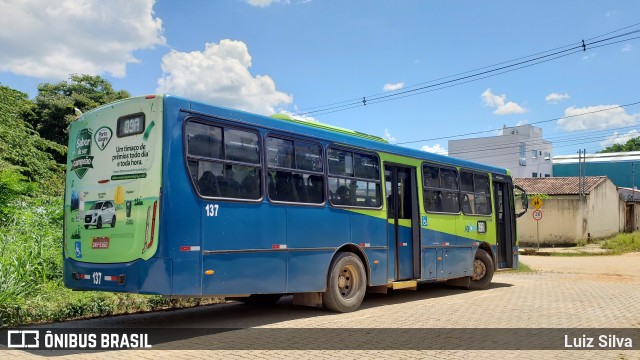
(572, 209)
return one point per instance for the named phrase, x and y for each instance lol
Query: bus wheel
(346, 284)
(482, 270)
(99, 223)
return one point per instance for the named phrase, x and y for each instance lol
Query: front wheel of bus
(482, 270)
(346, 284)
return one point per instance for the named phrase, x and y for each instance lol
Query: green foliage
(22, 149)
(631, 145)
(55, 103)
(623, 243)
(12, 186)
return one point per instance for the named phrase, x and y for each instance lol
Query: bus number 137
(211, 209)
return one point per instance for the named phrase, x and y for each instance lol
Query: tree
(55, 103)
(24, 155)
(631, 145)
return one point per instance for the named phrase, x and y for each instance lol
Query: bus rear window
(130, 125)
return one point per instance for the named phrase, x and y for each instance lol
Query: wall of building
(618, 167)
(505, 151)
(557, 226)
(565, 221)
(603, 214)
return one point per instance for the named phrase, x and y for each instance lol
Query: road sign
(537, 215)
(537, 202)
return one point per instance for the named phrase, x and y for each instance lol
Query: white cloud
(499, 102)
(265, 3)
(589, 56)
(596, 117)
(627, 48)
(388, 136)
(617, 138)
(393, 87)
(555, 98)
(522, 122)
(435, 149)
(52, 39)
(260, 3)
(220, 75)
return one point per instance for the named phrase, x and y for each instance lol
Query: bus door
(505, 223)
(402, 225)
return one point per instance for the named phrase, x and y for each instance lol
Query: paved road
(565, 292)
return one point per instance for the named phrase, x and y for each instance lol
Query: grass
(623, 243)
(31, 287)
(523, 268)
(619, 244)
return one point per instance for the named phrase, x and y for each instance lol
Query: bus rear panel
(112, 193)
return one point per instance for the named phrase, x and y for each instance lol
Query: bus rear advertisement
(169, 196)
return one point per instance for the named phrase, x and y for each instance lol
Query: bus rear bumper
(151, 276)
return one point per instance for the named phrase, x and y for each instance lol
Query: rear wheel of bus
(346, 283)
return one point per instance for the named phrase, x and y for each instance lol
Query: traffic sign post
(537, 215)
(537, 202)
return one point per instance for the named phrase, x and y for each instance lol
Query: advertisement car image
(102, 212)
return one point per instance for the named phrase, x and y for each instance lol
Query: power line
(439, 84)
(535, 122)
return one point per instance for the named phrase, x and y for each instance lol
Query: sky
(427, 70)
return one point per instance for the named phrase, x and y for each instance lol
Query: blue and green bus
(170, 196)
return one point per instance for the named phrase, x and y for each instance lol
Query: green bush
(623, 243)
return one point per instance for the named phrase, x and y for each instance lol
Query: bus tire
(346, 283)
(482, 270)
(99, 223)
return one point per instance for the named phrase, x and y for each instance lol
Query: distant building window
(535, 175)
(534, 154)
(547, 156)
(547, 175)
(523, 154)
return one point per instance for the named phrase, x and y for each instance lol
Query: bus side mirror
(524, 201)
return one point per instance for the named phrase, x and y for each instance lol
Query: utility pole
(633, 180)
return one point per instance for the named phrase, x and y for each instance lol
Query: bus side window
(232, 173)
(295, 171)
(354, 179)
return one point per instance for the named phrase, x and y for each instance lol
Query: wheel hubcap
(479, 270)
(347, 281)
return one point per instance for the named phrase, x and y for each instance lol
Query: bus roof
(323, 131)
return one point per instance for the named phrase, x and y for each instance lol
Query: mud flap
(313, 299)
(464, 282)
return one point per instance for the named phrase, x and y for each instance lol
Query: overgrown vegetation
(32, 155)
(616, 245)
(623, 243)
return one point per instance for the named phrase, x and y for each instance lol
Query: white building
(520, 149)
